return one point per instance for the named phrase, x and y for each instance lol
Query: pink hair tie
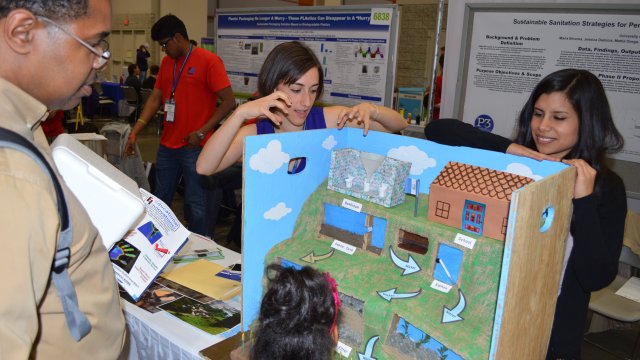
(336, 298)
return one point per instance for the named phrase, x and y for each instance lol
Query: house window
(296, 165)
(442, 209)
(504, 226)
(473, 217)
(413, 242)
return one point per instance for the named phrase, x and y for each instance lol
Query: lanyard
(177, 79)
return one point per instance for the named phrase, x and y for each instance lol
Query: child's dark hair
(296, 316)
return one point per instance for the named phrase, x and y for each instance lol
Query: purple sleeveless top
(315, 120)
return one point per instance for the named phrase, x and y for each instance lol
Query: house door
(473, 217)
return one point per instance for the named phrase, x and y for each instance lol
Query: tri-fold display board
(411, 285)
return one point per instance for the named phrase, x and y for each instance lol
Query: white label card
(170, 109)
(381, 16)
(343, 349)
(345, 248)
(464, 240)
(440, 286)
(351, 205)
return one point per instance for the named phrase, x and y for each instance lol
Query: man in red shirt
(190, 82)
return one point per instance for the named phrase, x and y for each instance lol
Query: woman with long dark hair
(567, 118)
(290, 81)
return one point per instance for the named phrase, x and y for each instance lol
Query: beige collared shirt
(32, 323)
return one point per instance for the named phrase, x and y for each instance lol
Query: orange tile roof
(481, 181)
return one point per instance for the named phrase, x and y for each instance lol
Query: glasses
(101, 50)
(163, 43)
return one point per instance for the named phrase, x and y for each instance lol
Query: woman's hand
(265, 107)
(586, 179)
(363, 113)
(521, 150)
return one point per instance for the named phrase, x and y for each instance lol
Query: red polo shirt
(195, 96)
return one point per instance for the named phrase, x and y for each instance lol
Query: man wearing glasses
(49, 54)
(190, 82)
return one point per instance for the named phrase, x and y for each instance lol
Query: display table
(162, 336)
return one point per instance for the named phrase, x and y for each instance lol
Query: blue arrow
(453, 315)
(410, 266)
(391, 294)
(369, 350)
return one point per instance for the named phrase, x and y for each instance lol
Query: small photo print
(200, 297)
(215, 317)
(124, 255)
(153, 297)
(150, 231)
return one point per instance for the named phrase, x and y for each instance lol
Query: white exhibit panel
(510, 48)
(356, 46)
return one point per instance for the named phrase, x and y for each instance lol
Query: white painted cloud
(419, 159)
(269, 159)
(277, 212)
(521, 169)
(329, 143)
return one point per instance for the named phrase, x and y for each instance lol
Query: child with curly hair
(298, 316)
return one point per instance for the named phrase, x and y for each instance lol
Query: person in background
(567, 117)
(142, 56)
(132, 80)
(53, 126)
(150, 81)
(290, 81)
(49, 54)
(190, 82)
(298, 317)
(437, 92)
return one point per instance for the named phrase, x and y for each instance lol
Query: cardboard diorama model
(466, 268)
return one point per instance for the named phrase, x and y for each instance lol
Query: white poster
(353, 48)
(510, 52)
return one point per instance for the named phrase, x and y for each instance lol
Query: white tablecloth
(162, 336)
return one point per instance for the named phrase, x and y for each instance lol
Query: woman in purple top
(292, 80)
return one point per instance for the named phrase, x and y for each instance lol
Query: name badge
(170, 109)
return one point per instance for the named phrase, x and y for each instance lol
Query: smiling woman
(290, 81)
(567, 117)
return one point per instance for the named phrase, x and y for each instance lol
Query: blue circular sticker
(484, 122)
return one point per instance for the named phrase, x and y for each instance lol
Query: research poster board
(512, 47)
(356, 46)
